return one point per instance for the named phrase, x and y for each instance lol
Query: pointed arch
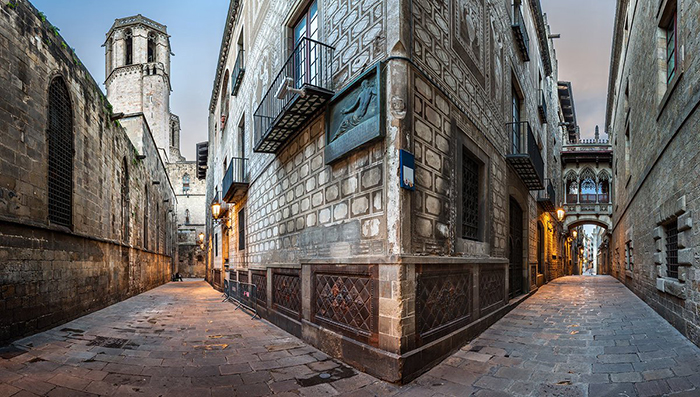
(60, 146)
(128, 47)
(587, 186)
(571, 181)
(152, 57)
(126, 209)
(604, 187)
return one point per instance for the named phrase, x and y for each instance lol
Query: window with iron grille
(125, 200)
(671, 44)
(145, 217)
(60, 142)
(672, 249)
(241, 229)
(470, 196)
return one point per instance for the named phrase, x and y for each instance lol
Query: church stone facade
(87, 211)
(386, 171)
(653, 119)
(137, 61)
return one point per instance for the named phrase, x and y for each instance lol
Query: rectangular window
(516, 123)
(216, 245)
(241, 229)
(470, 196)
(629, 256)
(672, 249)
(671, 50)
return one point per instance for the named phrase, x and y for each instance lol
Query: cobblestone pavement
(577, 336)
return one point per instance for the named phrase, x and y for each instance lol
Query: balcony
(236, 179)
(238, 71)
(525, 156)
(299, 92)
(547, 197)
(520, 31)
(542, 107)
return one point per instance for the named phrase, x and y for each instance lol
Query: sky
(195, 28)
(583, 52)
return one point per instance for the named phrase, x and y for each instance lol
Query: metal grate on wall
(672, 249)
(60, 143)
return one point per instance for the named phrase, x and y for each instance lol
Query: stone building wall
(654, 126)
(191, 207)
(315, 231)
(52, 274)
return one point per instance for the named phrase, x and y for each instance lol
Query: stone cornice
(223, 52)
(615, 54)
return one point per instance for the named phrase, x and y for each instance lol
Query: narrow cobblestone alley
(577, 336)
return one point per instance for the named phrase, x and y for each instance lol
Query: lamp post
(216, 210)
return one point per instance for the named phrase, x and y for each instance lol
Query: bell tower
(137, 66)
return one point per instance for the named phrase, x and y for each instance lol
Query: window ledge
(671, 87)
(671, 286)
(629, 274)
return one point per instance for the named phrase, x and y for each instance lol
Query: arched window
(588, 186)
(145, 217)
(224, 100)
(187, 217)
(186, 183)
(126, 210)
(128, 47)
(571, 188)
(604, 187)
(151, 47)
(60, 142)
(158, 220)
(109, 55)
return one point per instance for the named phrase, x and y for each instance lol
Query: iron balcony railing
(542, 106)
(238, 71)
(547, 196)
(236, 179)
(520, 31)
(299, 91)
(525, 155)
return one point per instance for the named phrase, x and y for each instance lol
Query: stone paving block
(612, 389)
(69, 381)
(323, 389)
(612, 368)
(626, 377)
(657, 374)
(652, 388)
(252, 390)
(493, 383)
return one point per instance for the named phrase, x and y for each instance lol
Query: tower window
(186, 183)
(60, 143)
(151, 47)
(187, 217)
(129, 48)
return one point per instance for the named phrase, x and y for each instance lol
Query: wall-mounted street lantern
(560, 214)
(216, 210)
(201, 237)
(574, 233)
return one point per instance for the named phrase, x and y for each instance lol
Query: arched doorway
(515, 238)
